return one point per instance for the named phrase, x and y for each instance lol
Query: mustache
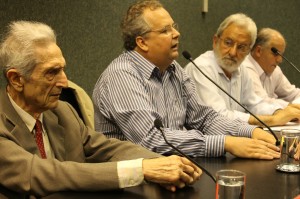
(230, 58)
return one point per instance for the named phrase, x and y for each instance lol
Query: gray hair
(17, 50)
(264, 37)
(134, 24)
(242, 20)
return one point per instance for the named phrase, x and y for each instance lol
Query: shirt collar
(259, 70)
(145, 66)
(26, 117)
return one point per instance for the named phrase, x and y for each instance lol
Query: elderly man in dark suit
(45, 147)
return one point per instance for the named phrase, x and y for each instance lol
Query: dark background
(89, 34)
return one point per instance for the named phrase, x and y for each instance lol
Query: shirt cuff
(246, 130)
(283, 103)
(296, 101)
(215, 146)
(130, 172)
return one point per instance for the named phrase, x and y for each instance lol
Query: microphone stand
(188, 57)
(159, 126)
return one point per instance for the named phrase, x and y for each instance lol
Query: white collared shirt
(239, 86)
(275, 86)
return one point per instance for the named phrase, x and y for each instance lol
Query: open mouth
(174, 46)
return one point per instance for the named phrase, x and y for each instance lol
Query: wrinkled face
(266, 58)
(163, 38)
(232, 47)
(42, 90)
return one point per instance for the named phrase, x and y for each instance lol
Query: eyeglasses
(229, 43)
(167, 30)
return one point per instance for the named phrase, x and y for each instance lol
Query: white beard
(228, 64)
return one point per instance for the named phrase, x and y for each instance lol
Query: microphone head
(187, 55)
(274, 50)
(158, 123)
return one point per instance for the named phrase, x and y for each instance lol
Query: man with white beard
(231, 43)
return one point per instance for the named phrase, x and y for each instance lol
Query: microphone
(189, 57)
(158, 124)
(276, 52)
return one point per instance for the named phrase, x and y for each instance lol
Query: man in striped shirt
(146, 83)
(45, 147)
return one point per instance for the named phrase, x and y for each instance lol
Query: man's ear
(257, 51)
(141, 42)
(15, 79)
(215, 41)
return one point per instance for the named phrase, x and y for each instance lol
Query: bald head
(262, 53)
(266, 37)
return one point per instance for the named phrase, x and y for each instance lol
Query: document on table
(289, 125)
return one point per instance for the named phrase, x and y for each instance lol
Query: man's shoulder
(63, 109)
(206, 62)
(249, 63)
(64, 114)
(205, 57)
(277, 71)
(120, 64)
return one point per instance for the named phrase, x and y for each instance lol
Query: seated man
(45, 147)
(145, 83)
(231, 43)
(267, 77)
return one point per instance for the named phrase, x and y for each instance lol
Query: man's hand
(251, 148)
(260, 134)
(295, 106)
(171, 172)
(291, 112)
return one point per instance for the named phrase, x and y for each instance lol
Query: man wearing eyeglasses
(145, 83)
(232, 42)
(45, 147)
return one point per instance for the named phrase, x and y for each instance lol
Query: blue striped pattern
(131, 93)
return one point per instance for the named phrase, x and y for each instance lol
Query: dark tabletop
(263, 181)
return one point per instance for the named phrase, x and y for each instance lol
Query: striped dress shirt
(131, 93)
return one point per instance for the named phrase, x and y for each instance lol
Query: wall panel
(89, 35)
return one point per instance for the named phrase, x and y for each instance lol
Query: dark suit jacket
(22, 169)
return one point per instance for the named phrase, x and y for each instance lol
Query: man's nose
(62, 80)
(233, 50)
(278, 59)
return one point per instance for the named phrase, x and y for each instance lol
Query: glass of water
(230, 184)
(289, 146)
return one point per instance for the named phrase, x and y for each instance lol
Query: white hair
(242, 20)
(17, 47)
